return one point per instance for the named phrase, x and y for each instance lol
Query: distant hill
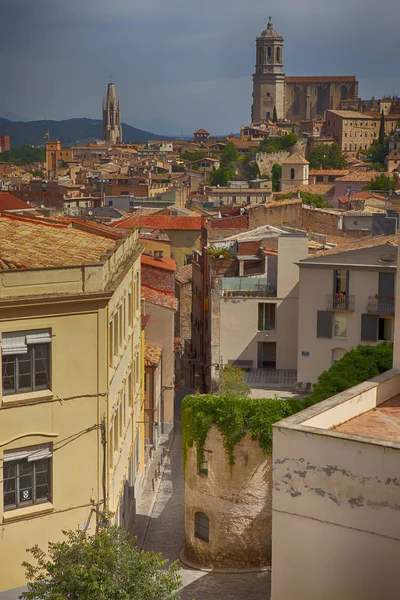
(69, 131)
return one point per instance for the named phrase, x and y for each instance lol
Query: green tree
(102, 566)
(378, 152)
(356, 366)
(381, 137)
(327, 156)
(221, 176)
(381, 183)
(23, 155)
(229, 156)
(192, 156)
(277, 144)
(232, 383)
(276, 174)
(274, 115)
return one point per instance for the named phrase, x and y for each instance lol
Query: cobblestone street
(165, 533)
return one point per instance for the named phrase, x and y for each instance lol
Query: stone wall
(288, 212)
(265, 160)
(237, 502)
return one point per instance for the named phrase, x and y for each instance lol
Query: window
(269, 53)
(201, 526)
(268, 95)
(110, 203)
(26, 477)
(25, 361)
(116, 331)
(385, 327)
(340, 324)
(278, 55)
(319, 178)
(292, 173)
(121, 325)
(267, 115)
(130, 308)
(130, 390)
(266, 316)
(340, 281)
(137, 447)
(203, 466)
(111, 341)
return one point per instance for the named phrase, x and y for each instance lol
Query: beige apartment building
(354, 130)
(251, 305)
(72, 410)
(346, 297)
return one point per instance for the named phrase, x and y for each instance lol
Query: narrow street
(165, 534)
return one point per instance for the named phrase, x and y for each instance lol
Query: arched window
(320, 101)
(268, 95)
(296, 101)
(269, 54)
(268, 115)
(278, 55)
(343, 92)
(260, 54)
(291, 173)
(337, 354)
(201, 527)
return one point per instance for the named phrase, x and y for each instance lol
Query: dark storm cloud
(180, 61)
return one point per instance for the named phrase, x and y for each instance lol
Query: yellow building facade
(72, 397)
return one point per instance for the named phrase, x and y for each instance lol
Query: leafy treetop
(192, 156)
(382, 183)
(327, 156)
(356, 366)
(277, 144)
(23, 155)
(102, 566)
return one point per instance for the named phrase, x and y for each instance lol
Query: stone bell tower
(112, 129)
(268, 79)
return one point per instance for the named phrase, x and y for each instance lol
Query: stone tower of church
(112, 130)
(268, 79)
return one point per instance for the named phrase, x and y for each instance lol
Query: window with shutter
(324, 323)
(369, 327)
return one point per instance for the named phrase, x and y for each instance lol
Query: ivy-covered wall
(234, 417)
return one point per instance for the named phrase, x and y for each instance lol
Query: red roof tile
(241, 222)
(10, 202)
(159, 263)
(165, 299)
(162, 222)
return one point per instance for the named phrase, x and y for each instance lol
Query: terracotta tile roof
(162, 222)
(321, 79)
(282, 202)
(294, 159)
(10, 202)
(249, 248)
(184, 274)
(362, 195)
(383, 422)
(318, 188)
(165, 299)
(336, 172)
(360, 176)
(30, 244)
(92, 227)
(159, 263)
(369, 242)
(241, 222)
(152, 354)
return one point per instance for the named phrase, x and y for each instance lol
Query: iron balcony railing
(339, 302)
(256, 287)
(383, 305)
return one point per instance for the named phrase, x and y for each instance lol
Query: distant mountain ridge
(69, 131)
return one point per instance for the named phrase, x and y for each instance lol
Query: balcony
(383, 305)
(249, 287)
(339, 302)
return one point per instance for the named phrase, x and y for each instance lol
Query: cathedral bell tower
(268, 79)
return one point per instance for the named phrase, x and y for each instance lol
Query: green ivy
(234, 417)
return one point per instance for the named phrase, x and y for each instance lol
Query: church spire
(112, 130)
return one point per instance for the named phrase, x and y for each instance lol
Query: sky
(182, 62)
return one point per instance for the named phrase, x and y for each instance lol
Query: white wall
(336, 517)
